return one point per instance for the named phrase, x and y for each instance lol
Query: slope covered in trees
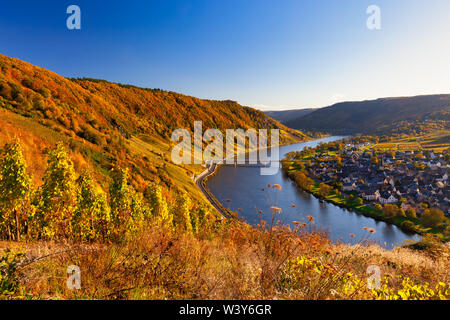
(288, 115)
(65, 207)
(107, 124)
(408, 115)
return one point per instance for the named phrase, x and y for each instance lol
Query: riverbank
(201, 180)
(243, 190)
(351, 203)
(203, 177)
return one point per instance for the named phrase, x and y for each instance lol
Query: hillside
(417, 114)
(133, 234)
(105, 123)
(288, 115)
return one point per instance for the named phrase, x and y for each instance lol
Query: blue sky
(268, 54)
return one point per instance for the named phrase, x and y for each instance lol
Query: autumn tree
(203, 213)
(338, 161)
(447, 231)
(401, 201)
(15, 185)
(433, 217)
(391, 153)
(408, 225)
(390, 210)
(181, 215)
(58, 195)
(378, 207)
(128, 210)
(350, 198)
(91, 220)
(324, 190)
(411, 213)
(359, 201)
(303, 181)
(158, 204)
(139, 211)
(120, 197)
(195, 222)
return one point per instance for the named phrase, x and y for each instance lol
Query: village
(413, 179)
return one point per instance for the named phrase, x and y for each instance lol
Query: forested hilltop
(288, 115)
(106, 124)
(389, 116)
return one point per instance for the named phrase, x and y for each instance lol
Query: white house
(371, 196)
(386, 198)
(348, 187)
(347, 180)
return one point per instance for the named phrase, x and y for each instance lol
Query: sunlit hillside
(106, 123)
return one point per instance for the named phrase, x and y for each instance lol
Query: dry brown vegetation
(227, 260)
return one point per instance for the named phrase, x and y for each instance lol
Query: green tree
(58, 195)
(15, 186)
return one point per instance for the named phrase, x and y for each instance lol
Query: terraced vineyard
(436, 141)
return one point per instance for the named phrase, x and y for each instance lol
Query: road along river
(242, 186)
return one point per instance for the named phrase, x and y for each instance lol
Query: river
(242, 186)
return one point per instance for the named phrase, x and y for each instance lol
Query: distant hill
(107, 123)
(381, 116)
(288, 115)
